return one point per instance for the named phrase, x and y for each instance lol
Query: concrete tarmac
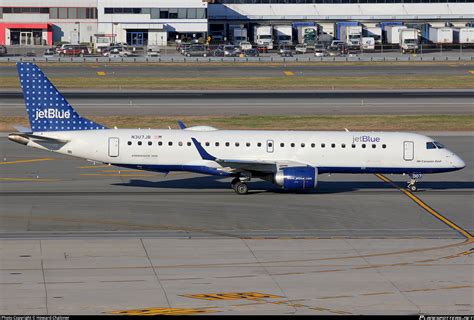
(97, 103)
(83, 238)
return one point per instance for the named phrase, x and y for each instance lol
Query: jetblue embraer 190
(291, 160)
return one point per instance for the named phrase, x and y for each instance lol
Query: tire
(412, 188)
(241, 188)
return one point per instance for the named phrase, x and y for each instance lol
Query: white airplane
(290, 159)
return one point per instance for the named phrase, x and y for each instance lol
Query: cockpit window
(430, 145)
(439, 145)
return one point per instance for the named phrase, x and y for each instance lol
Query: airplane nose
(458, 162)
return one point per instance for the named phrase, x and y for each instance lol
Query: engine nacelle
(297, 178)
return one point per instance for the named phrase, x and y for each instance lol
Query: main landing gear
(414, 177)
(239, 186)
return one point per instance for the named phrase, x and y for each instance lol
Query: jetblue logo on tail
(52, 114)
(47, 109)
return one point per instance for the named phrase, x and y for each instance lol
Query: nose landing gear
(414, 177)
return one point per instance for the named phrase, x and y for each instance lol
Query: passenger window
(323, 145)
(374, 146)
(160, 143)
(139, 143)
(363, 146)
(292, 145)
(343, 145)
(353, 146)
(227, 144)
(302, 145)
(259, 144)
(149, 143)
(189, 144)
(313, 145)
(237, 144)
(170, 143)
(248, 144)
(282, 145)
(129, 143)
(384, 146)
(430, 145)
(207, 144)
(180, 143)
(333, 145)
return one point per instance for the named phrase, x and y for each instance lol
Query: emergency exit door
(408, 150)
(113, 147)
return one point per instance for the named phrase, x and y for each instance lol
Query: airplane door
(270, 146)
(113, 147)
(408, 150)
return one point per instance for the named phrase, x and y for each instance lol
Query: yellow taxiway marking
(289, 73)
(101, 73)
(232, 296)
(127, 170)
(163, 311)
(428, 209)
(29, 179)
(98, 166)
(26, 161)
(116, 175)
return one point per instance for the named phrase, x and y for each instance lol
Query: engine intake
(297, 178)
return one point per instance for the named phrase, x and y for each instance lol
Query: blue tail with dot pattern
(47, 109)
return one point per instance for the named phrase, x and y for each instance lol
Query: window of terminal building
(72, 13)
(62, 13)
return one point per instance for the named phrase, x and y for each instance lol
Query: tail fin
(47, 109)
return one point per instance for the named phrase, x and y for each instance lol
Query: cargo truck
(367, 43)
(373, 32)
(464, 35)
(282, 34)
(392, 34)
(263, 36)
(307, 35)
(409, 40)
(238, 35)
(440, 35)
(351, 35)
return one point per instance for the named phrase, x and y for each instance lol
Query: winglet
(203, 153)
(181, 124)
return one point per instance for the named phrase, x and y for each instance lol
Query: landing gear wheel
(241, 188)
(412, 187)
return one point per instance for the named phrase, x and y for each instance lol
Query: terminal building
(150, 22)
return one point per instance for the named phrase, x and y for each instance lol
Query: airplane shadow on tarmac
(214, 183)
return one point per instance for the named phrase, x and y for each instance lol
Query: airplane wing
(233, 165)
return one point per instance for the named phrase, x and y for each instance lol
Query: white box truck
(237, 35)
(282, 34)
(409, 40)
(307, 35)
(440, 35)
(352, 35)
(373, 32)
(392, 34)
(263, 36)
(464, 35)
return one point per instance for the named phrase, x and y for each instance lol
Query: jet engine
(296, 178)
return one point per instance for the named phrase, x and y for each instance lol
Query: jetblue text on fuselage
(366, 138)
(52, 114)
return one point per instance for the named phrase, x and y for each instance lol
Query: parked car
(333, 51)
(197, 51)
(75, 50)
(153, 52)
(320, 51)
(231, 51)
(49, 52)
(3, 50)
(285, 50)
(60, 46)
(219, 52)
(117, 52)
(251, 53)
(301, 48)
(245, 45)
